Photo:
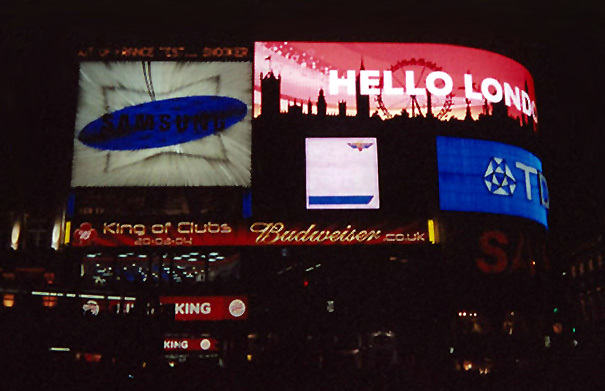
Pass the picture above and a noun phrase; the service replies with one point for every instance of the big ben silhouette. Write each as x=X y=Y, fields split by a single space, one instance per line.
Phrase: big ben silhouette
x=270 y=93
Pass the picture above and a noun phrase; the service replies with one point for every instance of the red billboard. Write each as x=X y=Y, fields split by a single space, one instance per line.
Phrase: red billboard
x=191 y=344
x=117 y=233
x=390 y=80
x=208 y=308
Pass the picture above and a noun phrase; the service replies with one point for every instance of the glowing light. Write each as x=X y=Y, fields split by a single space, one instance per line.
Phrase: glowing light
x=85 y=296
x=55 y=349
x=15 y=234
x=49 y=301
x=205 y=344
x=249 y=357
x=36 y=293
x=8 y=300
x=67 y=232
x=330 y=306
x=56 y=235
x=432 y=231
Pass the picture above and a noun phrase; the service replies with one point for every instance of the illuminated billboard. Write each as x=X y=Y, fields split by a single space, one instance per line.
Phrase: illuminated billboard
x=342 y=173
x=491 y=177
x=190 y=344
x=391 y=80
x=163 y=123
x=116 y=233
x=208 y=308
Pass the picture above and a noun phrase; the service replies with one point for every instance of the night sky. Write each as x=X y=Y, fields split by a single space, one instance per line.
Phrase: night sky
x=561 y=47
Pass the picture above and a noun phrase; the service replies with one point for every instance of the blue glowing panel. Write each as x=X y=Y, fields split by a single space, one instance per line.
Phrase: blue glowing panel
x=491 y=177
x=342 y=173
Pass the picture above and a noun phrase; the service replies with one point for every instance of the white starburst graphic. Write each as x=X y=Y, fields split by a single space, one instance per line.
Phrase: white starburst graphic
x=498 y=178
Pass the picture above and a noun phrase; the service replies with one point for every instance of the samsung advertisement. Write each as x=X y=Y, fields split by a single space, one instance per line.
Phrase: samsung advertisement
x=161 y=123
x=491 y=177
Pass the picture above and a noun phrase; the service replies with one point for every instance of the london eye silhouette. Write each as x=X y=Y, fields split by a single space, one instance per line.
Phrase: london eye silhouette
x=416 y=104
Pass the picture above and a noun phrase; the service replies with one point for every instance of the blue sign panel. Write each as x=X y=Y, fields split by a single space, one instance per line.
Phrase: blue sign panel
x=491 y=177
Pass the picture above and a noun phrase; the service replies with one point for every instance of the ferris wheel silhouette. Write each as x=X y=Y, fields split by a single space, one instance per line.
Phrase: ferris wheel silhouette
x=421 y=68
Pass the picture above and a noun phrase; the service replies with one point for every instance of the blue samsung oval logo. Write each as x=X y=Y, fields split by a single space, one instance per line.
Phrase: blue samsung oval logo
x=163 y=122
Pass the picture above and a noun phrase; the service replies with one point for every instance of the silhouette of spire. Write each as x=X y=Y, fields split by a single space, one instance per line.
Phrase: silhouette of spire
x=361 y=101
x=321 y=104
x=468 y=116
x=342 y=108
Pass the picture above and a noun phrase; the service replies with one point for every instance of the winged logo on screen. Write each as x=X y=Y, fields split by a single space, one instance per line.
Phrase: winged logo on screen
x=360 y=145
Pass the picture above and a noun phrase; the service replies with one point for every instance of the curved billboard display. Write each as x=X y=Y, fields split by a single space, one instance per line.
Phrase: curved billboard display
x=394 y=79
x=491 y=177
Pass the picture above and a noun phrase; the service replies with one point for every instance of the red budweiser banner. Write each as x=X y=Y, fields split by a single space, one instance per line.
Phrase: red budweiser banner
x=189 y=233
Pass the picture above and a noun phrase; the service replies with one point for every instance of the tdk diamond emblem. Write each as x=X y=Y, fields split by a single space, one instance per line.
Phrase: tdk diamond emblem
x=498 y=178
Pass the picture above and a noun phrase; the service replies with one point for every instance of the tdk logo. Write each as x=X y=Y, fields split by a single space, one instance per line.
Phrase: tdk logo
x=499 y=180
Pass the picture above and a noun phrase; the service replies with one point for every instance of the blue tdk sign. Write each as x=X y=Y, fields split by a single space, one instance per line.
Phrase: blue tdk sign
x=491 y=177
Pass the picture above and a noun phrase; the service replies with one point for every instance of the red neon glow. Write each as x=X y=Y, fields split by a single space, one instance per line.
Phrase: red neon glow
x=304 y=69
